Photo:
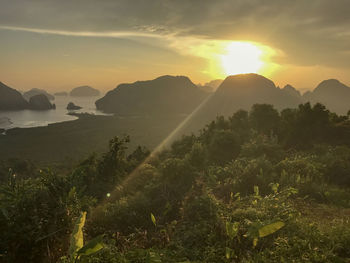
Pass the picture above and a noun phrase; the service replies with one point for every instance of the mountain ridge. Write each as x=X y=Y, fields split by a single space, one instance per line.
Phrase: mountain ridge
x=165 y=94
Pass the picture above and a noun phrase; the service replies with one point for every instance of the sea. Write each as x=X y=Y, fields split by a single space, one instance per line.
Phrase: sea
x=32 y=118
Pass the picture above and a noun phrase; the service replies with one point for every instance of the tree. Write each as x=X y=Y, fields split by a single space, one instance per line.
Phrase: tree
x=223 y=147
x=264 y=119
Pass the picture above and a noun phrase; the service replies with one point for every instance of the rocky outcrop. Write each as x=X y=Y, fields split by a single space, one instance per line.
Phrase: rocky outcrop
x=11 y=99
x=72 y=106
x=40 y=102
x=84 y=91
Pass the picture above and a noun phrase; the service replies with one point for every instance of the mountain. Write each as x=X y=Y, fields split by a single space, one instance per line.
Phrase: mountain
x=241 y=92
x=40 y=102
x=166 y=95
x=11 y=99
x=291 y=91
x=84 y=91
x=211 y=86
x=214 y=83
x=27 y=95
x=333 y=94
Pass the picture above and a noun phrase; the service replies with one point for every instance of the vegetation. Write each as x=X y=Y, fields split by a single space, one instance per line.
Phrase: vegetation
x=72 y=141
x=260 y=186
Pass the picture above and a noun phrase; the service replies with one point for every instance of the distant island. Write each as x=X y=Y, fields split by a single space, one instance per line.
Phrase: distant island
x=11 y=99
x=72 y=106
x=40 y=102
x=27 y=95
x=84 y=91
x=179 y=95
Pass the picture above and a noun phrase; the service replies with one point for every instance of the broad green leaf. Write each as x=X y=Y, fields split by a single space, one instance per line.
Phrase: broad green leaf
x=275 y=187
x=77 y=239
x=91 y=247
x=256 y=190
x=153 y=258
x=270 y=229
x=232 y=229
x=238 y=196
x=153 y=220
x=228 y=253
x=255 y=241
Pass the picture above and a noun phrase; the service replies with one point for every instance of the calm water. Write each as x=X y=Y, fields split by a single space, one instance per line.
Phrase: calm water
x=30 y=118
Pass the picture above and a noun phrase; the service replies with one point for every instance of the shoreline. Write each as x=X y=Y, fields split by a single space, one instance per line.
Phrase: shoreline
x=76 y=115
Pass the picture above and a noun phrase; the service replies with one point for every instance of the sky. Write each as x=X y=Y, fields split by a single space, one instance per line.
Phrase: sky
x=58 y=45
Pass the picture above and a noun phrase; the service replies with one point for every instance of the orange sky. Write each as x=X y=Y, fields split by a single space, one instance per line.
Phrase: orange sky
x=58 y=45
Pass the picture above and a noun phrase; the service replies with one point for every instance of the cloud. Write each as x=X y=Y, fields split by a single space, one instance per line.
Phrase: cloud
x=309 y=33
x=110 y=34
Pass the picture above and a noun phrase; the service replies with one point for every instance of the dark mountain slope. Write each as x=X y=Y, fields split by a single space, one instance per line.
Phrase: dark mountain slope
x=165 y=95
x=333 y=94
x=241 y=92
x=11 y=99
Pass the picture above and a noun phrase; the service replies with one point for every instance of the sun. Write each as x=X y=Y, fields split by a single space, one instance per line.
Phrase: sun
x=242 y=57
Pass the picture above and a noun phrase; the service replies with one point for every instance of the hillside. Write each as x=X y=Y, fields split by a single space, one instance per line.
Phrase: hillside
x=163 y=95
x=259 y=186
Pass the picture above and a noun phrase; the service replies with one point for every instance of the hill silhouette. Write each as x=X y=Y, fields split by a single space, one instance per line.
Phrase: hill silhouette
x=333 y=94
x=40 y=102
x=84 y=91
x=27 y=95
x=292 y=91
x=241 y=92
x=165 y=95
x=11 y=99
x=211 y=86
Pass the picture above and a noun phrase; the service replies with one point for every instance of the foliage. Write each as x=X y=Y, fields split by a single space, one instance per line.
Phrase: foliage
x=260 y=186
x=77 y=249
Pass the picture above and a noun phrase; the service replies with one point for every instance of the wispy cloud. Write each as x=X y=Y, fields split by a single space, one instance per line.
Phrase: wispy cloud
x=210 y=50
x=109 y=34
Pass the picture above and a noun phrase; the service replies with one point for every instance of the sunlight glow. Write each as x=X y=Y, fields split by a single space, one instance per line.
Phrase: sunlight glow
x=232 y=57
x=242 y=57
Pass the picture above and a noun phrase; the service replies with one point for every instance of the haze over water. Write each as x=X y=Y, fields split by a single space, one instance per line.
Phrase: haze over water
x=32 y=118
